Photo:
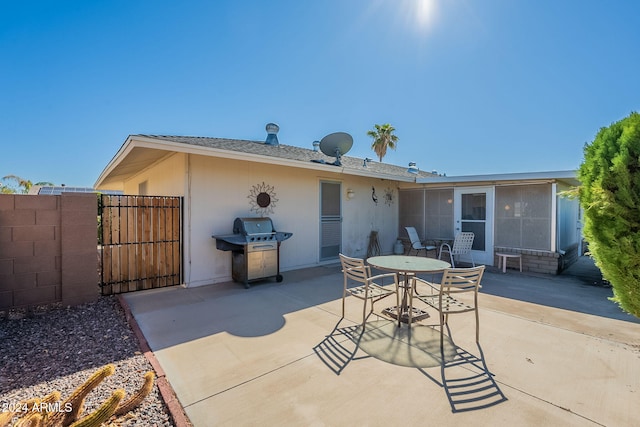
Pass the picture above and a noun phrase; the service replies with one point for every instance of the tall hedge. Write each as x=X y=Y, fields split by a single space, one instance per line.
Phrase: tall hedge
x=610 y=197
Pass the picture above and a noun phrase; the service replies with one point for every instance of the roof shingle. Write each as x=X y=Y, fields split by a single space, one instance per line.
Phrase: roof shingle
x=291 y=152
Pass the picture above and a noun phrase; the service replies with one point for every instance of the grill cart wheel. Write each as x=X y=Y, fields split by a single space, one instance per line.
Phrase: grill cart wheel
x=279 y=278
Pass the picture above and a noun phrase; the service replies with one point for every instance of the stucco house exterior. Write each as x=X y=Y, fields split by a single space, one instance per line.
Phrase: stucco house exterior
x=328 y=208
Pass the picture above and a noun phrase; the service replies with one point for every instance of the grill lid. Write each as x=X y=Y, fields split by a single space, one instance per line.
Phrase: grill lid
x=253 y=226
x=249 y=230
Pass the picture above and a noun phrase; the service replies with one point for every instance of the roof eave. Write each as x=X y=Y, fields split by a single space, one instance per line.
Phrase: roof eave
x=568 y=176
x=141 y=141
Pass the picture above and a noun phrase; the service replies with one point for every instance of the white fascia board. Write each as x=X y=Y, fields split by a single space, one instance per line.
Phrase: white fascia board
x=120 y=155
x=525 y=176
x=156 y=144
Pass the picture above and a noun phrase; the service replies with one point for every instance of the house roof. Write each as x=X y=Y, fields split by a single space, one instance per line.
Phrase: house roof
x=141 y=151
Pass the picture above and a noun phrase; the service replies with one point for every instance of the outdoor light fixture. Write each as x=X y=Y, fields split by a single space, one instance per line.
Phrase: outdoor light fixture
x=350 y=194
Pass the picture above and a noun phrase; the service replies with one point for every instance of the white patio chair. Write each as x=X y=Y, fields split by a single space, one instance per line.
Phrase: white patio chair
x=461 y=246
x=416 y=244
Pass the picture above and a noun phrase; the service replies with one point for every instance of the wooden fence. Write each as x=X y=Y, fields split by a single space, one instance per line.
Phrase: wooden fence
x=141 y=242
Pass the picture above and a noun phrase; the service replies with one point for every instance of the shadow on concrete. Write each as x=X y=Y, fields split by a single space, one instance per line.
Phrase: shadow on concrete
x=339 y=348
x=170 y=316
x=580 y=288
x=465 y=377
x=468 y=383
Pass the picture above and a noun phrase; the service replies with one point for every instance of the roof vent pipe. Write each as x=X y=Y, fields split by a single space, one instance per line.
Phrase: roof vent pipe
x=272 y=137
x=412 y=168
x=316 y=146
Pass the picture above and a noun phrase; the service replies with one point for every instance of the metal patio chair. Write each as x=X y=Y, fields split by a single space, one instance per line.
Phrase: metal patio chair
x=416 y=244
x=443 y=296
x=461 y=246
x=370 y=288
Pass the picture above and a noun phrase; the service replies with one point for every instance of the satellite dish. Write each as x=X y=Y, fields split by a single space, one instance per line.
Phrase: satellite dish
x=335 y=145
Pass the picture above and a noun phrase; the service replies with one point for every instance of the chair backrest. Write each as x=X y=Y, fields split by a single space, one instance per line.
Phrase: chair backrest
x=463 y=243
x=354 y=268
x=413 y=236
x=458 y=280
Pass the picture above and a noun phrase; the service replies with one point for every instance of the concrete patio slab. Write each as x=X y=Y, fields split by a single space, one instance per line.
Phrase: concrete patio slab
x=279 y=353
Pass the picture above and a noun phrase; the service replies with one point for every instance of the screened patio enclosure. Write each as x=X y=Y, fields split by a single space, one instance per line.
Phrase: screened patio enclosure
x=529 y=218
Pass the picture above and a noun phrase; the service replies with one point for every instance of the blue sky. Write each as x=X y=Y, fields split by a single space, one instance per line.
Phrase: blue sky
x=471 y=86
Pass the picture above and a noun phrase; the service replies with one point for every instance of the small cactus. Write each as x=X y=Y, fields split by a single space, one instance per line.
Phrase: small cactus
x=138 y=397
x=32 y=419
x=77 y=397
x=103 y=413
x=34 y=412
x=5 y=418
x=44 y=405
x=22 y=408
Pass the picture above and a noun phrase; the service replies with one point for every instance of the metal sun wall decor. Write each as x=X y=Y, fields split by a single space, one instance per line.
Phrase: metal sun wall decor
x=262 y=199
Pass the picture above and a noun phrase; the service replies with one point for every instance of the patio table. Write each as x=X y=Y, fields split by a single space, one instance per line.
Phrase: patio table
x=407 y=267
x=438 y=241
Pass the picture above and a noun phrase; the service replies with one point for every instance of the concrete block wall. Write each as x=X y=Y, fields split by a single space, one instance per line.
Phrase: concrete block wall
x=48 y=250
x=570 y=256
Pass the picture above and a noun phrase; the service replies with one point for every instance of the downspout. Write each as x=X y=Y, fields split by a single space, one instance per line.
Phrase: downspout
x=187 y=261
x=554 y=217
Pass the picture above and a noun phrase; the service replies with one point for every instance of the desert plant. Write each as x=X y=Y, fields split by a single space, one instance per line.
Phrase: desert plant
x=138 y=397
x=610 y=196
x=35 y=411
x=103 y=413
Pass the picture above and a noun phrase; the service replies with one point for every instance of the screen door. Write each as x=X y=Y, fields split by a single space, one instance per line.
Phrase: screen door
x=330 y=220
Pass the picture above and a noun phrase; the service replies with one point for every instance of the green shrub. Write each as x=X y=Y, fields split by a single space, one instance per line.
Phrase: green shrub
x=610 y=197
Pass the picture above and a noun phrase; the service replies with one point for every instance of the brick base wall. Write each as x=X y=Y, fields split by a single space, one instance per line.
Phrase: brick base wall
x=535 y=261
x=571 y=255
x=48 y=250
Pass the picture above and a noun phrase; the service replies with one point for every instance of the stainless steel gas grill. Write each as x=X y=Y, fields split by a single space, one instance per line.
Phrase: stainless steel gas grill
x=255 y=247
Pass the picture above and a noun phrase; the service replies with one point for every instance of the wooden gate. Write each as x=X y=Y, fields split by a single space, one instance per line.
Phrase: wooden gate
x=141 y=242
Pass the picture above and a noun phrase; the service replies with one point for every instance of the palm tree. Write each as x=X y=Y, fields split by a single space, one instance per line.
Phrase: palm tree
x=383 y=138
x=23 y=184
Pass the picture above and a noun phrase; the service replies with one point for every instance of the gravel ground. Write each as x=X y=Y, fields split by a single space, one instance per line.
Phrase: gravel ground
x=55 y=348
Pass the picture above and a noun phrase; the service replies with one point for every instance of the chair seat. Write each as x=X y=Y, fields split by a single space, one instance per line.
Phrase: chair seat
x=375 y=291
x=449 y=303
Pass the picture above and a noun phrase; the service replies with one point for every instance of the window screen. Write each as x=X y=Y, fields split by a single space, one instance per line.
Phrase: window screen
x=523 y=216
